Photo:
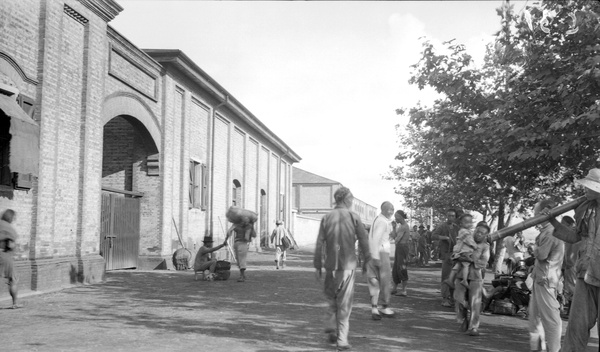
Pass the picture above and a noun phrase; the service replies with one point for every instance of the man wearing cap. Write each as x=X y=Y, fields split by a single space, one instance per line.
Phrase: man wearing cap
x=277 y=237
x=204 y=259
x=584 y=308
x=335 y=251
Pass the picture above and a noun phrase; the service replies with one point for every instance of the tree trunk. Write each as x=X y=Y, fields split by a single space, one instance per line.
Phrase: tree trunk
x=500 y=247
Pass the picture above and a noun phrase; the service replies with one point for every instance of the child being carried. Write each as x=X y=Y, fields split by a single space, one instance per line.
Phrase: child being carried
x=462 y=252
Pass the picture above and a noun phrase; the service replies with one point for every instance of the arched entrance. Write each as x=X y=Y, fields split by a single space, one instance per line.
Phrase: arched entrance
x=131 y=203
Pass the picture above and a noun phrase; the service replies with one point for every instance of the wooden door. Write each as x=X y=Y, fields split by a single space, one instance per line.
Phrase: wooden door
x=120 y=231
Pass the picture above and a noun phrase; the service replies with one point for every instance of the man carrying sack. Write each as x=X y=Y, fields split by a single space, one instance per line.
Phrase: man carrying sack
x=282 y=241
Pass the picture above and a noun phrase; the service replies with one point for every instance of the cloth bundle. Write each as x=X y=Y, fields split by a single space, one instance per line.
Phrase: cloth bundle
x=239 y=215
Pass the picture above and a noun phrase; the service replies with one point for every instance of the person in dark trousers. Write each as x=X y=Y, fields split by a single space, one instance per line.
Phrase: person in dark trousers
x=335 y=251
x=446 y=234
x=8 y=243
x=401 y=236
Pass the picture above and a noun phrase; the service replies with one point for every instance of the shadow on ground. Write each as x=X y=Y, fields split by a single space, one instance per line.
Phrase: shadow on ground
x=274 y=310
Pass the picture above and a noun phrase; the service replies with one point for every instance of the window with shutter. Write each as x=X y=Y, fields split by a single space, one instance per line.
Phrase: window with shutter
x=197 y=187
x=204 y=190
x=191 y=184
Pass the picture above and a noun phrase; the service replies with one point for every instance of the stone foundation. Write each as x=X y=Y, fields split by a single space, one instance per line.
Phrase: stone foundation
x=53 y=274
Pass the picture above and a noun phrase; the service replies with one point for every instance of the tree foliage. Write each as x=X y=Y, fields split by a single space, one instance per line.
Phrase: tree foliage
x=520 y=127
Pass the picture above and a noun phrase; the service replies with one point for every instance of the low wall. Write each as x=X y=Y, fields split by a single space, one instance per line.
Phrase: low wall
x=53 y=274
x=305 y=230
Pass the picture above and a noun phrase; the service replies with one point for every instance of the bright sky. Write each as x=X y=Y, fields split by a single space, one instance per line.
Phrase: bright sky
x=326 y=77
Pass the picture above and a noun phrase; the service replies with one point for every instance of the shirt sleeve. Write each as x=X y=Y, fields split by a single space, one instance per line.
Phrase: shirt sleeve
x=318 y=259
x=544 y=247
x=437 y=232
x=363 y=242
x=379 y=233
x=481 y=256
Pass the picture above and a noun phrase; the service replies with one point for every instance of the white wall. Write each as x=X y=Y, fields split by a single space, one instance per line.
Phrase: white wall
x=305 y=230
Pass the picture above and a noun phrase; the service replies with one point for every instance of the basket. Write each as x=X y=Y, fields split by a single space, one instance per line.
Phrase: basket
x=222 y=270
x=181 y=259
x=503 y=307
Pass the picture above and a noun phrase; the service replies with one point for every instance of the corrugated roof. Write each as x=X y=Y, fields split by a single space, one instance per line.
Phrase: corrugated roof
x=301 y=176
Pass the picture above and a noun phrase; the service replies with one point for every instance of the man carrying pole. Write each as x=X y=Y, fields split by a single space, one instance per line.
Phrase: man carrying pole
x=584 y=310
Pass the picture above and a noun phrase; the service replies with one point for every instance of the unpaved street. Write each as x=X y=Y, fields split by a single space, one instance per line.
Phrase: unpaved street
x=275 y=310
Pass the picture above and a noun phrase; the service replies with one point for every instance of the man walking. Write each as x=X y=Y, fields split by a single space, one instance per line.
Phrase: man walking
x=8 y=239
x=379 y=271
x=583 y=314
x=446 y=235
x=281 y=239
x=338 y=233
x=545 y=325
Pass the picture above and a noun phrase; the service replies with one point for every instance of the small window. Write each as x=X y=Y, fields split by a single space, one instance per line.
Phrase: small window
x=197 y=186
x=236 y=195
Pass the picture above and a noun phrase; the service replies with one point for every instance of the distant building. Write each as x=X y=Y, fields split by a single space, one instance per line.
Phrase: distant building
x=312 y=198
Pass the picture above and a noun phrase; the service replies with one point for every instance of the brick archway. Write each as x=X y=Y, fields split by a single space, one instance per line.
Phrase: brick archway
x=130 y=173
x=127 y=104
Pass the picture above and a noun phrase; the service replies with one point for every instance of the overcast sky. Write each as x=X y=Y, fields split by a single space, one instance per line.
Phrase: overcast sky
x=326 y=77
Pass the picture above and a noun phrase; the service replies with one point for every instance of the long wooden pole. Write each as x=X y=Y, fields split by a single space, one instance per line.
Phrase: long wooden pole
x=536 y=220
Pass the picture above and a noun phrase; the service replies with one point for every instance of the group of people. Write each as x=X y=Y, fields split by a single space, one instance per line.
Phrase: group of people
x=243 y=233
x=464 y=249
x=335 y=252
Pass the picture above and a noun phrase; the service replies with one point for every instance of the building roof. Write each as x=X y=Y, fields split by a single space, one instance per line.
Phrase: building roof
x=301 y=176
x=182 y=62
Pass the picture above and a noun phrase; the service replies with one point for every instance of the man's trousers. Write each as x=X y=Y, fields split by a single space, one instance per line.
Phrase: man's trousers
x=582 y=317
x=545 y=325
x=339 y=291
x=379 y=279
x=447 y=293
x=472 y=302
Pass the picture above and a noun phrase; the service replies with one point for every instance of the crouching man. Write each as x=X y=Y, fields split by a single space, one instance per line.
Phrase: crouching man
x=204 y=258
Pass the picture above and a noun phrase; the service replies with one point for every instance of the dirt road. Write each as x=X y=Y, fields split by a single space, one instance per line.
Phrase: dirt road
x=275 y=310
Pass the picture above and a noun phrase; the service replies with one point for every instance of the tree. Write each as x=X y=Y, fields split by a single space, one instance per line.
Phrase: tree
x=520 y=127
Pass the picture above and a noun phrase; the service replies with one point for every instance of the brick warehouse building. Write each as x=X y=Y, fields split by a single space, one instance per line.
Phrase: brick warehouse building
x=112 y=156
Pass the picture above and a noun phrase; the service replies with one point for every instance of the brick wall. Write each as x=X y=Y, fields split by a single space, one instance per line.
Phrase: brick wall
x=238 y=156
x=273 y=192
x=175 y=158
x=198 y=141
x=19 y=25
x=221 y=184
x=263 y=181
x=252 y=173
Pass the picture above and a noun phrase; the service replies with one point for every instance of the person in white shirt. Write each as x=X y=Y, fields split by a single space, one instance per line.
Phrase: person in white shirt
x=379 y=271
